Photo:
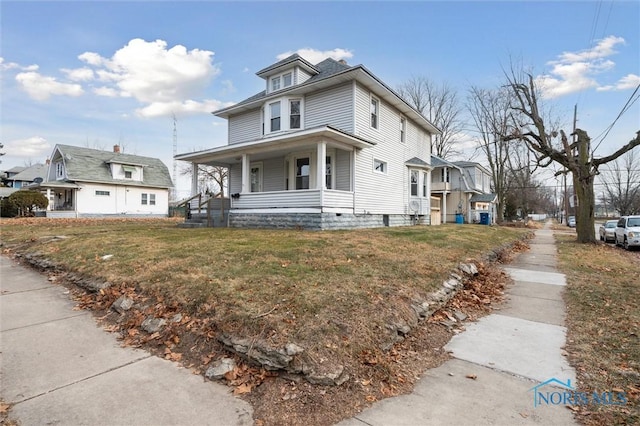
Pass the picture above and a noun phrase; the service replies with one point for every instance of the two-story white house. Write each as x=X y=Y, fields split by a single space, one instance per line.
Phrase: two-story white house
x=84 y=182
x=463 y=191
x=324 y=146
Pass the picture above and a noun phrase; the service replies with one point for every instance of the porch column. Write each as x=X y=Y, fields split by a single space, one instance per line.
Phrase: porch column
x=444 y=206
x=321 y=165
x=246 y=174
x=49 y=199
x=194 y=178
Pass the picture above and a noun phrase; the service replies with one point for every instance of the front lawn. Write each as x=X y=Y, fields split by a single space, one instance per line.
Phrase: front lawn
x=332 y=293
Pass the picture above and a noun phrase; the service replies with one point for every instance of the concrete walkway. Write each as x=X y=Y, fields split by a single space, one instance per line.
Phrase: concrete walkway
x=58 y=367
x=509 y=354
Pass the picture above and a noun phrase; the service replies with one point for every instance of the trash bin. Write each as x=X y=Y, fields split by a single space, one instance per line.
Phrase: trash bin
x=484 y=218
x=459 y=218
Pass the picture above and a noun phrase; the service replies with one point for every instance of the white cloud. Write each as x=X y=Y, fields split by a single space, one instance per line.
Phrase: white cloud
x=151 y=73
x=188 y=107
x=79 y=74
x=576 y=71
x=41 y=87
x=314 y=56
x=630 y=81
x=109 y=92
x=227 y=87
x=34 y=146
x=4 y=66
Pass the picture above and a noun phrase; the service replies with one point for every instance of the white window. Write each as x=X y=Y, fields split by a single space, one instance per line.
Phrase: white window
x=294 y=114
x=379 y=166
x=287 y=79
x=275 y=83
x=274 y=111
x=425 y=180
x=152 y=199
x=59 y=170
x=415 y=176
x=255 y=177
x=403 y=129
x=144 y=199
x=375 y=112
x=303 y=172
x=105 y=193
x=444 y=175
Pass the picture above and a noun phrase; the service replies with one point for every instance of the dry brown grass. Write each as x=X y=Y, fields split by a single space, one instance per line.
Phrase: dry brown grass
x=602 y=297
x=332 y=293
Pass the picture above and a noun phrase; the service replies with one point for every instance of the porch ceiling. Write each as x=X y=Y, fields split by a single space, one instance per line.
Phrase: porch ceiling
x=277 y=145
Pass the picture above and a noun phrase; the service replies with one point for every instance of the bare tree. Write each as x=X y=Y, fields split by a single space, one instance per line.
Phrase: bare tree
x=489 y=110
x=440 y=105
x=529 y=126
x=211 y=179
x=622 y=184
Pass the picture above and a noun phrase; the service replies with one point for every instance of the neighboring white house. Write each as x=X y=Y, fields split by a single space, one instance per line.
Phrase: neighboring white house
x=462 y=190
x=324 y=146
x=84 y=182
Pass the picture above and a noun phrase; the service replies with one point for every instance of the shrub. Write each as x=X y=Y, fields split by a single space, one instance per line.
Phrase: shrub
x=25 y=202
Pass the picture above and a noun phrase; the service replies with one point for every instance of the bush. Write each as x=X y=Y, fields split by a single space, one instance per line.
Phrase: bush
x=25 y=202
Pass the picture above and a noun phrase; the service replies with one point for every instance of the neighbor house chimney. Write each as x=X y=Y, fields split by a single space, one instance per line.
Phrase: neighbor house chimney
x=343 y=62
x=116 y=148
x=48 y=161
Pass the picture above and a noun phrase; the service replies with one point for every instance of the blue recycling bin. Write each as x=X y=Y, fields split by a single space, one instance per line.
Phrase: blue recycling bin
x=459 y=218
x=484 y=218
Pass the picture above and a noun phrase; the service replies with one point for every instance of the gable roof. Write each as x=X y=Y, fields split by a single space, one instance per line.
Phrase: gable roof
x=31 y=172
x=331 y=72
x=93 y=165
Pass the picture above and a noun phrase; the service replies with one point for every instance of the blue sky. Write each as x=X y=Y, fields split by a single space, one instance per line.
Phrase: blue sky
x=100 y=73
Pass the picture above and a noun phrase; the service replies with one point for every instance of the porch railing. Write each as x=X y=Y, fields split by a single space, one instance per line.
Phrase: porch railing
x=304 y=198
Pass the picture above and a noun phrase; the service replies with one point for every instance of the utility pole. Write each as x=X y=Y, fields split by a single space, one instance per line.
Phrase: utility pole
x=175 y=152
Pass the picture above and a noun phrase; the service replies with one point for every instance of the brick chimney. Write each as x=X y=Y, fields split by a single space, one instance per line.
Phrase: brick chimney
x=116 y=149
x=48 y=161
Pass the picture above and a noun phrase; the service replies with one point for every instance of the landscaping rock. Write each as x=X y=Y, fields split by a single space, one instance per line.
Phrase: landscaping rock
x=327 y=375
x=153 y=325
x=260 y=352
x=220 y=368
x=122 y=304
x=293 y=349
x=176 y=318
x=468 y=269
x=93 y=286
x=460 y=316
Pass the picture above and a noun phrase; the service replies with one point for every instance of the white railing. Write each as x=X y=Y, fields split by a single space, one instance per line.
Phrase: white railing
x=304 y=198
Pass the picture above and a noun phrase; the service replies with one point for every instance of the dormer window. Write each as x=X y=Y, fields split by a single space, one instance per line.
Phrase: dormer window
x=59 y=170
x=275 y=83
x=280 y=81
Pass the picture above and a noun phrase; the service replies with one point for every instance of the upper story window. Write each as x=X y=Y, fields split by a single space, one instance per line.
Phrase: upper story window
x=274 y=113
x=59 y=170
x=375 y=112
x=403 y=129
x=445 y=175
x=283 y=114
x=280 y=81
x=294 y=114
x=275 y=84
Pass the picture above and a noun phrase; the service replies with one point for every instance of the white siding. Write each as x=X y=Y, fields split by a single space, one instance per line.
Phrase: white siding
x=273 y=174
x=333 y=106
x=301 y=76
x=388 y=193
x=245 y=127
x=235 y=178
x=343 y=164
x=122 y=199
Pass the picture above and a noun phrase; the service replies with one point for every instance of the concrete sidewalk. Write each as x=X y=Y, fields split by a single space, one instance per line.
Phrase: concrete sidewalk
x=509 y=353
x=58 y=367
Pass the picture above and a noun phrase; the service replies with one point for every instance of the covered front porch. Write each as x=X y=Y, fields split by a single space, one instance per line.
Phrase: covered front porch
x=309 y=171
x=62 y=196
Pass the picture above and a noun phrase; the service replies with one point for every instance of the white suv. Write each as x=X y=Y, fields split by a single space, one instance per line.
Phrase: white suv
x=627 y=232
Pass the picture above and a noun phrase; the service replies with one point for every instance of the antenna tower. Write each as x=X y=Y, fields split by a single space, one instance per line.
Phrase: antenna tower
x=175 y=152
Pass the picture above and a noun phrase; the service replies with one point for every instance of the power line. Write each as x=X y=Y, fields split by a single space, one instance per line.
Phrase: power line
x=624 y=109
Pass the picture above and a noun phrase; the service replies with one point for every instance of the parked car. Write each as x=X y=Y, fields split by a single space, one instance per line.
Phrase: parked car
x=607 y=231
x=571 y=221
x=627 y=232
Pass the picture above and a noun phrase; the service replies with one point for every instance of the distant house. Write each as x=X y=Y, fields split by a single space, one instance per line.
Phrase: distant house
x=84 y=182
x=463 y=190
x=323 y=146
x=18 y=177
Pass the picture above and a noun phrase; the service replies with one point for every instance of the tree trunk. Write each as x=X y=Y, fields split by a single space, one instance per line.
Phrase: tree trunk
x=583 y=187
